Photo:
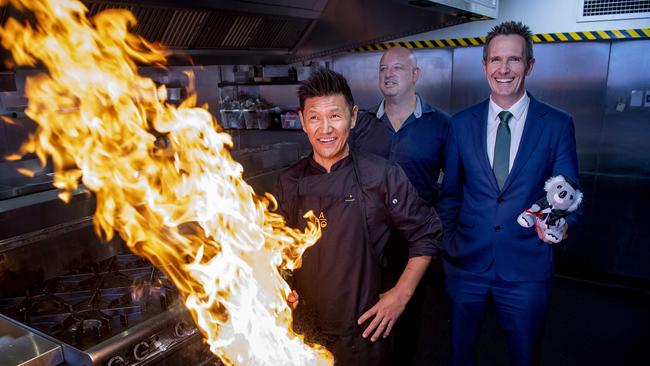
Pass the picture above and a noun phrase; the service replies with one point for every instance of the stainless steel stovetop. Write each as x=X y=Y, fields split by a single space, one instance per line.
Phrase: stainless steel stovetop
x=116 y=312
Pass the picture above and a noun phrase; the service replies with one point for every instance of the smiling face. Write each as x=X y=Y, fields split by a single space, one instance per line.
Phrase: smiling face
x=506 y=68
x=327 y=121
x=398 y=73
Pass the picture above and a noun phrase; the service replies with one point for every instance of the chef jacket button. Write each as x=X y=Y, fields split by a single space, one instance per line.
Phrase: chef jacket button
x=394 y=201
x=497 y=228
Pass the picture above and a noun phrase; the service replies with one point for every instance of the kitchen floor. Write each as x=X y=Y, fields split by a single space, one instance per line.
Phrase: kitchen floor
x=587 y=324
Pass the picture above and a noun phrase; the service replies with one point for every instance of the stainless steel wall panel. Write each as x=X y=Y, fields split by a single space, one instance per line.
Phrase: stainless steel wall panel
x=362 y=73
x=435 y=77
x=616 y=231
x=573 y=77
x=624 y=145
x=468 y=85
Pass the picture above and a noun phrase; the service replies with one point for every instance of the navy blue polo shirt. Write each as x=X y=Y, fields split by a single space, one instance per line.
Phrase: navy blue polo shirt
x=417 y=147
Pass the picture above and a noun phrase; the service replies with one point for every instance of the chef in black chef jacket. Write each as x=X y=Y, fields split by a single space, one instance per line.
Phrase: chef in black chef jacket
x=358 y=198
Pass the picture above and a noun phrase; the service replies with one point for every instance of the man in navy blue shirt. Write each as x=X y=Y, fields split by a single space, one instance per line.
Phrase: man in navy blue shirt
x=406 y=130
x=403 y=128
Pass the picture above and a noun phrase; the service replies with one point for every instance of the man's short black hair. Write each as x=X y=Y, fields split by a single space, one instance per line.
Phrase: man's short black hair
x=508 y=28
x=323 y=83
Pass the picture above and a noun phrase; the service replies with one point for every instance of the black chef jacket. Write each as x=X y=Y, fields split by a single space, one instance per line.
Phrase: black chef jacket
x=388 y=201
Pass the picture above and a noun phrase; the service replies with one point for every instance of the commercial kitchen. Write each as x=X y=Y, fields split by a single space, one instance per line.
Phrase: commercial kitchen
x=72 y=296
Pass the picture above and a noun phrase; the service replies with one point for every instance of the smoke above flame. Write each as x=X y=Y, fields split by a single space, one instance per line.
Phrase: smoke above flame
x=163 y=177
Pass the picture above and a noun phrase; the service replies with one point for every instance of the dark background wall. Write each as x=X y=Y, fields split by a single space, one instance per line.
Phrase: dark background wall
x=587 y=80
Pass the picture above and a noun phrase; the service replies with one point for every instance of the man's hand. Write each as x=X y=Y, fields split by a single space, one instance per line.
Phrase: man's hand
x=540 y=233
x=292 y=300
x=391 y=303
x=390 y=306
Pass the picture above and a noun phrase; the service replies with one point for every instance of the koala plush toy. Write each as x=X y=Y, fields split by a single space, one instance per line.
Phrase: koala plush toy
x=549 y=211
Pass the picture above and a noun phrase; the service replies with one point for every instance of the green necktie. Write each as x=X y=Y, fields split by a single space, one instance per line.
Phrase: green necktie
x=501 y=163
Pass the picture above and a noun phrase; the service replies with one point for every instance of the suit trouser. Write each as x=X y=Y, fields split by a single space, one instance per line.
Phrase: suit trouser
x=521 y=307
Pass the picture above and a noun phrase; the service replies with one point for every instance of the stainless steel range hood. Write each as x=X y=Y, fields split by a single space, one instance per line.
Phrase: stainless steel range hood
x=346 y=24
x=283 y=31
x=486 y=8
x=221 y=32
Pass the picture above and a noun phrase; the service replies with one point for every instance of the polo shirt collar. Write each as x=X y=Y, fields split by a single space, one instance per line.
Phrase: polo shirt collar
x=418 y=108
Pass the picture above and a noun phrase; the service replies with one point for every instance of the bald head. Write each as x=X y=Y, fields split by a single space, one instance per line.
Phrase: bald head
x=403 y=53
x=398 y=73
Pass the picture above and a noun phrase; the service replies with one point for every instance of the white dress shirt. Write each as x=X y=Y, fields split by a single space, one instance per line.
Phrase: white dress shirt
x=519 y=112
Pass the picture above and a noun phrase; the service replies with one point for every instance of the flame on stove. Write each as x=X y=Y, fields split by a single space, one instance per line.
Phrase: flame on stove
x=163 y=178
x=142 y=290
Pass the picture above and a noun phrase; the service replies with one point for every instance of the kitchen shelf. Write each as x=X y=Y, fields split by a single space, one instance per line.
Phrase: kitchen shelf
x=253 y=83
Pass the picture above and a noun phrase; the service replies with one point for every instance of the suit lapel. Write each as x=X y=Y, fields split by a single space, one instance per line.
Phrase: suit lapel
x=480 y=136
x=529 y=139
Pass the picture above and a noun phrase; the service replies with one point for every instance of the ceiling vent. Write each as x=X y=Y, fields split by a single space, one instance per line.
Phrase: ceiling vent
x=211 y=28
x=594 y=10
x=474 y=9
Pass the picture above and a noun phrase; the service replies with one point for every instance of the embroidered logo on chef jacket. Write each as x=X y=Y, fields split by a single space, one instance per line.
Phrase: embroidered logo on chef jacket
x=322 y=219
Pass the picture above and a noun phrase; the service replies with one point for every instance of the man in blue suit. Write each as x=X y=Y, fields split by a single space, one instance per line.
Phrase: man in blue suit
x=499 y=154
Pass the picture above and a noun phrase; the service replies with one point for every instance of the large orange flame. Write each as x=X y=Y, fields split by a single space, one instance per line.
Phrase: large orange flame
x=163 y=178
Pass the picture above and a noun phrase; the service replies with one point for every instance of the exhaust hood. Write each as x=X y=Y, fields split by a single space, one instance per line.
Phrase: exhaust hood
x=485 y=8
x=282 y=31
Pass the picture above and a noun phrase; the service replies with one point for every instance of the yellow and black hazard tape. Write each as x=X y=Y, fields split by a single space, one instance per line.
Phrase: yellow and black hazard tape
x=641 y=33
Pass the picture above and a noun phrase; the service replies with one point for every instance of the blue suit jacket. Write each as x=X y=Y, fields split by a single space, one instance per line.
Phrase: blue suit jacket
x=480 y=221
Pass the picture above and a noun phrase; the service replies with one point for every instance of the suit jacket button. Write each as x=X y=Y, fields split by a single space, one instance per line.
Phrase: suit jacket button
x=497 y=228
x=499 y=200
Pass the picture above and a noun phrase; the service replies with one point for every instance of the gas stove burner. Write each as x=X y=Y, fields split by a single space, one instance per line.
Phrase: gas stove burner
x=89 y=323
x=42 y=304
x=103 y=298
x=123 y=304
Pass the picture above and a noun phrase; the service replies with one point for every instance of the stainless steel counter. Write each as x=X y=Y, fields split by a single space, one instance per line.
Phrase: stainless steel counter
x=20 y=347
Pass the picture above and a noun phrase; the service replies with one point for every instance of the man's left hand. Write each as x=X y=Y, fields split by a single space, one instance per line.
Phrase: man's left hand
x=390 y=306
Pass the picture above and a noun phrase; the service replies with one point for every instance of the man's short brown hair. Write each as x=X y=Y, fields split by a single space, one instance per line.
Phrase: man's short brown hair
x=508 y=28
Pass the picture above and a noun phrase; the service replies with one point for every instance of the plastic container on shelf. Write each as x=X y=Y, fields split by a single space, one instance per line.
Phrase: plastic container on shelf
x=290 y=121
x=223 y=119
x=269 y=117
x=263 y=119
x=238 y=121
x=233 y=119
x=250 y=118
